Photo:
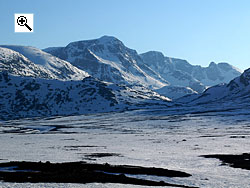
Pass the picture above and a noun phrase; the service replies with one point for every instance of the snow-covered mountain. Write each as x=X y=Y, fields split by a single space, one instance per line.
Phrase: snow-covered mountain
x=30 y=61
x=34 y=97
x=236 y=91
x=108 y=59
x=180 y=72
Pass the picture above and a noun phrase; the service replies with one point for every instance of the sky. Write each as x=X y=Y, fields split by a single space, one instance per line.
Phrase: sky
x=199 y=31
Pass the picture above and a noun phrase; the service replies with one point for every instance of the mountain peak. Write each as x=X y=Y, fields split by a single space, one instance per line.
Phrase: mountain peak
x=212 y=64
x=99 y=43
x=227 y=67
x=154 y=53
x=152 y=56
x=108 y=38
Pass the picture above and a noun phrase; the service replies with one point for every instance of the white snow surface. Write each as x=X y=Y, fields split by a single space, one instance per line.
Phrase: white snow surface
x=55 y=67
x=163 y=138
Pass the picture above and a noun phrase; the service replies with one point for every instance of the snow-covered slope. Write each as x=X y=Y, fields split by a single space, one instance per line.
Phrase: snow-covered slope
x=237 y=90
x=180 y=72
x=175 y=92
x=108 y=59
x=33 y=97
x=54 y=67
x=15 y=63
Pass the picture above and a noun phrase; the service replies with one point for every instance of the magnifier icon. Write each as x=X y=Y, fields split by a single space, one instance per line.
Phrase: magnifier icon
x=22 y=21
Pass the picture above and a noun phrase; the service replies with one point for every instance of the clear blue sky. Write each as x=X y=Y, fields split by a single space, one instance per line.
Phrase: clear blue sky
x=199 y=31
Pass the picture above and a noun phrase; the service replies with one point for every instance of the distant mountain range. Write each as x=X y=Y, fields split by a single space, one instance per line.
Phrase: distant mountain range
x=108 y=59
x=104 y=75
x=179 y=72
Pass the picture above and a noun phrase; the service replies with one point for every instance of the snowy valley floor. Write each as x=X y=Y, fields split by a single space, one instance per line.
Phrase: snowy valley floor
x=149 y=138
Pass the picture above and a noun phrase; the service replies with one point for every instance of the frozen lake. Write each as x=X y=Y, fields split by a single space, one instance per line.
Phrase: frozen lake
x=152 y=138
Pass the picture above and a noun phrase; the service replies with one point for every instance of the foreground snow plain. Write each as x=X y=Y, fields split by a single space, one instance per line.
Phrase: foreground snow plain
x=173 y=139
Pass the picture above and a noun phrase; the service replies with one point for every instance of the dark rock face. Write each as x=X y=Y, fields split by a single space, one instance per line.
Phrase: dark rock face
x=241 y=83
x=245 y=77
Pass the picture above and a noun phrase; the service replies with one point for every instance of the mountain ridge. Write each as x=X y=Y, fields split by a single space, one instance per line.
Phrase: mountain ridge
x=207 y=76
x=35 y=83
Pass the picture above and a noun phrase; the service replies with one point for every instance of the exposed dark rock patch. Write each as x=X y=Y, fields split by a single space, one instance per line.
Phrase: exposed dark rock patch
x=235 y=161
x=81 y=172
x=100 y=155
x=85 y=146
